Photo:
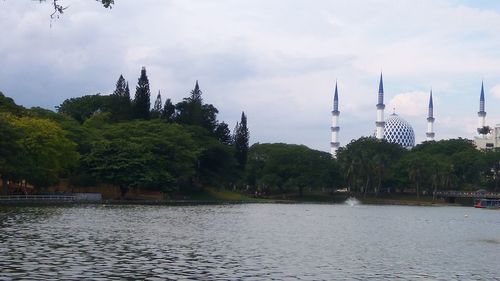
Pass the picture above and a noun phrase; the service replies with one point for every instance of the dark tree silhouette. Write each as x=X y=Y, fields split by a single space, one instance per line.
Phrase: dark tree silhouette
x=157 y=107
x=59 y=8
x=223 y=133
x=168 y=112
x=241 y=137
x=142 y=101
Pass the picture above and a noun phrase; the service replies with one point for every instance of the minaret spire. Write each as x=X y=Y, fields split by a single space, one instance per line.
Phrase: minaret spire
x=334 y=144
x=481 y=99
x=381 y=90
x=380 y=124
x=430 y=120
x=482 y=129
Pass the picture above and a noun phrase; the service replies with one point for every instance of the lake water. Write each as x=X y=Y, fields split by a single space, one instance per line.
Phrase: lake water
x=249 y=242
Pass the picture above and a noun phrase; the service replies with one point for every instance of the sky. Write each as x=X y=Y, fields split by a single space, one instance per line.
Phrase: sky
x=276 y=60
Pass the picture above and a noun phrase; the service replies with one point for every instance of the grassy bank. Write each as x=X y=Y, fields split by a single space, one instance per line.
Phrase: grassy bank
x=221 y=196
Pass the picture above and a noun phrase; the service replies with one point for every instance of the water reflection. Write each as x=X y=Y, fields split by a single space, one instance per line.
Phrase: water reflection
x=248 y=242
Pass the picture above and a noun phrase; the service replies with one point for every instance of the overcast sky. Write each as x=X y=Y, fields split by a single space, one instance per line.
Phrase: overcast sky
x=276 y=60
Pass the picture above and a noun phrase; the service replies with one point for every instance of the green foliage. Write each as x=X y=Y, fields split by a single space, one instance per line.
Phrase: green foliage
x=491 y=171
x=168 y=111
x=8 y=105
x=82 y=108
x=367 y=162
x=370 y=165
x=192 y=111
x=223 y=133
x=216 y=165
x=157 y=108
x=10 y=149
x=77 y=133
x=147 y=154
x=119 y=102
x=46 y=152
x=283 y=168
x=191 y=149
x=142 y=102
x=240 y=140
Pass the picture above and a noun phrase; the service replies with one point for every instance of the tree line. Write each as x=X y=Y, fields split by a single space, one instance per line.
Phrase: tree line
x=172 y=147
x=370 y=166
x=123 y=141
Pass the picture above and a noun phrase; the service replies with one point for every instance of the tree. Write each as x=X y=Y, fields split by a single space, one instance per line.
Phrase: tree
x=465 y=160
x=418 y=167
x=491 y=170
x=157 y=108
x=223 y=133
x=142 y=101
x=366 y=162
x=168 y=111
x=216 y=165
x=10 y=150
x=192 y=111
x=196 y=94
x=47 y=154
x=283 y=167
x=8 y=105
x=120 y=105
x=82 y=108
x=121 y=86
x=241 y=139
x=145 y=154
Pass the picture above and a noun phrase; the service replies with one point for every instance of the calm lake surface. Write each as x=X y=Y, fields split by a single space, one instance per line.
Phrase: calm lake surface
x=249 y=242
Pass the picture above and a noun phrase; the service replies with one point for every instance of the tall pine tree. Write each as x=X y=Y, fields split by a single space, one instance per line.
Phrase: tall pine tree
x=142 y=102
x=127 y=92
x=120 y=106
x=121 y=87
x=192 y=111
x=157 y=107
x=241 y=138
x=196 y=94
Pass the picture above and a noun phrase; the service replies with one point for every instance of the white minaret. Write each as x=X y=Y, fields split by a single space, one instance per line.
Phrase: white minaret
x=430 y=120
x=334 y=144
x=482 y=129
x=380 y=123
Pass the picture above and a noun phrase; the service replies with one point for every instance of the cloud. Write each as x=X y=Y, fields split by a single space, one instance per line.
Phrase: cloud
x=278 y=67
x=495 y=91
x=413 y=103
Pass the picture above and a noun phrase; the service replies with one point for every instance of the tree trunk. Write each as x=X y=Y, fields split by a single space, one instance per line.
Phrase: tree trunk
x=418 y=191
x=434 y=193
x=5 y=186
x=123 y=190
x=378 y=186
x=496 y=182
x=366 y=186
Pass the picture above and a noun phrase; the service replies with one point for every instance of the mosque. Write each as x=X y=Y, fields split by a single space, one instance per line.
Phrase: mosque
x=397 y=130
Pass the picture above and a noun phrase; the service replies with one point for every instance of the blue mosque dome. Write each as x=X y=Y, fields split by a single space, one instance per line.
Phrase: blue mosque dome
x=397 y=130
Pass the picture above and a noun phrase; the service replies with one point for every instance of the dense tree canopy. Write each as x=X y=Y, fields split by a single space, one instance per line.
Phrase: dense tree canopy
x=110 y=139
x=49 y=151
x=366 y=163
x=148 y=154
x=285 y=168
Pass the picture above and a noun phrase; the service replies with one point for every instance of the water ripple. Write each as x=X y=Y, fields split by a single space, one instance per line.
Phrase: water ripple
x=248 y=242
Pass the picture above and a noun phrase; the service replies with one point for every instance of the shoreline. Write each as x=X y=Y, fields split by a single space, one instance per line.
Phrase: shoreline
x=367 y=201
